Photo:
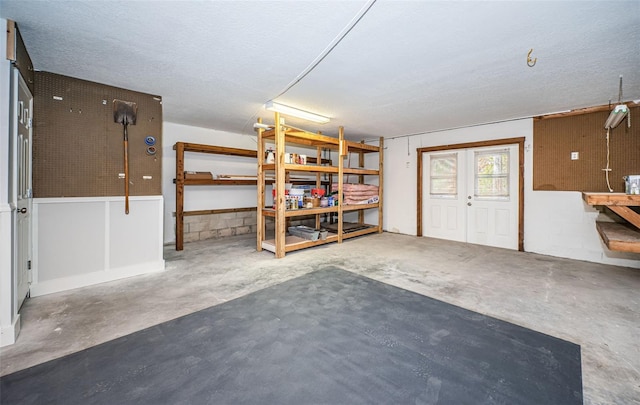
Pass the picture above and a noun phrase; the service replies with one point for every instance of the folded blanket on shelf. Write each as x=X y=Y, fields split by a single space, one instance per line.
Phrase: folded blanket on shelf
x=355 y=187
x=350 y=201
x=357 y=193
x=360 y=194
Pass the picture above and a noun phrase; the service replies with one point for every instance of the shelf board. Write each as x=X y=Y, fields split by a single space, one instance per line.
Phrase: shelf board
x=301 y=137
x=362 y=147
x=293 y=243
x=290 y=167
x=270 y=212
x=314 y=160
x=360 y=171
x=628 y=200
x=218 y=150
x=619 y=237
x=310 y=168
x=218 y=182
x=360 y=232
x=309 y=182
x=239 y=182
x=349 y=228
x=215 y=211
x=355 y=207
x=296 y=243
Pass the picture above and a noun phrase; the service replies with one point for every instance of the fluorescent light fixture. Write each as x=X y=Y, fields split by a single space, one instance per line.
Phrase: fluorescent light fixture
x=257 y=125
x=617 y=115
x=295 y=112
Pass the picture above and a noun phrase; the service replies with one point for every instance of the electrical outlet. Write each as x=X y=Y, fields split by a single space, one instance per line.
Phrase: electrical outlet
x=408 y=165
x=575 y=155
x=121 y=175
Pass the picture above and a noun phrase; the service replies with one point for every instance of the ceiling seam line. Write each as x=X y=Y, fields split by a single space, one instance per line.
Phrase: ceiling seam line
x=363 y=11
x=453 y=128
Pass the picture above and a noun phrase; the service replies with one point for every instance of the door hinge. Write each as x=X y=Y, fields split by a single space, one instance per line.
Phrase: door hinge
x=30 y=123
x=28 y=264
x=29 y=272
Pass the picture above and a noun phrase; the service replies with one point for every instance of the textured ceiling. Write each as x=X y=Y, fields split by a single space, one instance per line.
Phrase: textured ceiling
x=378 y=68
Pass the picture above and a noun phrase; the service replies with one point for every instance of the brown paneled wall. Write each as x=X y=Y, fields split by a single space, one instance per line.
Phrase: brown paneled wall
x=78 y=148
x=555 y=138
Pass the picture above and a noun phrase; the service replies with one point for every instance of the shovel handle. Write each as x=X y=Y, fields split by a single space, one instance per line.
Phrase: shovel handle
x=126 y=176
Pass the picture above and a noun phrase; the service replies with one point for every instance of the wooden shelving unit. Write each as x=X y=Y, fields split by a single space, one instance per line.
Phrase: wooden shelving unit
x=181 y=181
x=623 y=237
x=282 y=136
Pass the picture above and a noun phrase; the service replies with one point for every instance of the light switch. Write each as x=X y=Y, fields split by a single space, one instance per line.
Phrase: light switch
x=574 y=156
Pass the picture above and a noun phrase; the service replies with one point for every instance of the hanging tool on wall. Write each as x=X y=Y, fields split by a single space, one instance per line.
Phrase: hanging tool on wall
x=125 y=113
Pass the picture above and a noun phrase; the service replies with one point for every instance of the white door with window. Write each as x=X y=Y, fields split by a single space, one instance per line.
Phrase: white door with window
x=471 y=195
x=444 y=211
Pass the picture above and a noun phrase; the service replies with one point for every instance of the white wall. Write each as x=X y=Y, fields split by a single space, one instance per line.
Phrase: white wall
x=88 y=240
x=555 y=223
x=205 y=197
x=9 y=319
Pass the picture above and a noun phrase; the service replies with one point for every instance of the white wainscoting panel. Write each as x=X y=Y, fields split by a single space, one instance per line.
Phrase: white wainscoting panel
x=85 y=241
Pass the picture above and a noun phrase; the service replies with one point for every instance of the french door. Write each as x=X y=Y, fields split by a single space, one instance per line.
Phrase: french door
x=472 y=195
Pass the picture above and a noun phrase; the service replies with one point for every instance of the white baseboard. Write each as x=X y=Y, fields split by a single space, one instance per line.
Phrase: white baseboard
x=9 y=334
x=84 y=280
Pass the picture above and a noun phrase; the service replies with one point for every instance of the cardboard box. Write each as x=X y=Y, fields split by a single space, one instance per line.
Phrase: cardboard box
x=198 y=175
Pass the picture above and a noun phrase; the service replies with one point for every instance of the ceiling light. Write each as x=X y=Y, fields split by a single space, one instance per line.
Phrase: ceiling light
x=619 y=112
x=616 y=116
x=258 y=125
x=295 y=112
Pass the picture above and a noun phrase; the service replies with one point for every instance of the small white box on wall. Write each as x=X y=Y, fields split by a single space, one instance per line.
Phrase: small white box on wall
x=632 y=184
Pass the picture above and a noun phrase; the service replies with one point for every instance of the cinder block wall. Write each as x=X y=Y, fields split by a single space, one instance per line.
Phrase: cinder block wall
x=215 y=226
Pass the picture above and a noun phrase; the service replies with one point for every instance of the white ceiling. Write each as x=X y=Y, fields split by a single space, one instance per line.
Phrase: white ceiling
x=403 y=67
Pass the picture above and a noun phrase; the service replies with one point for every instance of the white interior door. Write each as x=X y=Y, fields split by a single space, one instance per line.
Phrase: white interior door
x=22 y=134
x=471 y=195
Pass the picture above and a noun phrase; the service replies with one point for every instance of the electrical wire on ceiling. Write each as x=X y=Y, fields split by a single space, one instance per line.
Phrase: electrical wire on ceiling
x=327 y=50
x=354 y=21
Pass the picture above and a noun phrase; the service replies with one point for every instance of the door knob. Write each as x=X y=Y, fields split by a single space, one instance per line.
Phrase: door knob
x=22 y=210
x=469 y=204
x=468 y=197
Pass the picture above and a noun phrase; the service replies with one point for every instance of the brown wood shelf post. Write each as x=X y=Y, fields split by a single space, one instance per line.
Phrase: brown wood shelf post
x=179 y=196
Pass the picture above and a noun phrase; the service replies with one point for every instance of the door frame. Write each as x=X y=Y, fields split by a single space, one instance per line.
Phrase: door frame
x=494 y=142
x=22 y=186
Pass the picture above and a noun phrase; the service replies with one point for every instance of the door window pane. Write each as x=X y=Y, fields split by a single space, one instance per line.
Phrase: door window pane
x=492 y=174
x=444 y=174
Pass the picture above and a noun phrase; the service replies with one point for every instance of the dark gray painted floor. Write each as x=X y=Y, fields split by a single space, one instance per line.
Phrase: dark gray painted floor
x=331 y=337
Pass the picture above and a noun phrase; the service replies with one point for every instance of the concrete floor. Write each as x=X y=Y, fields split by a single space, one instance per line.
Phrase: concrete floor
x=596 y=306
